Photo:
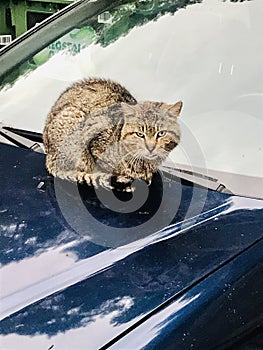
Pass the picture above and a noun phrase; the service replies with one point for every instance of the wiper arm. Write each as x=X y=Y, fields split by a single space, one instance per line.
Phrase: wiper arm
x=22 y=138
x=197 y=178
x=30 y=140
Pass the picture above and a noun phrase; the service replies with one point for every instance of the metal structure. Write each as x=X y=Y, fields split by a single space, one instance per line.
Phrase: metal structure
x=17 y=16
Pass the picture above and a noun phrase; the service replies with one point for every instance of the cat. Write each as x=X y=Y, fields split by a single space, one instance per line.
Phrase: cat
x=97 y=131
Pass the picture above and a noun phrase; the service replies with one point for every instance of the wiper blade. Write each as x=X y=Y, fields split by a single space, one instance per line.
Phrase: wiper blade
x=31 y=135
x=197 y=178
x=28 y=142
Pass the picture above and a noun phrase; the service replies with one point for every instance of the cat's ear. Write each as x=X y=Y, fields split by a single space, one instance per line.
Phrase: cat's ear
x=127 y=109
x=174 y=109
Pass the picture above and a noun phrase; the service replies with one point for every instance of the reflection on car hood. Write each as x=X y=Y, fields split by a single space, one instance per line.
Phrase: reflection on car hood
x=63 y=277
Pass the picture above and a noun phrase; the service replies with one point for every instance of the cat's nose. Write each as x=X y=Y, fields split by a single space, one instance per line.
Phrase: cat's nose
x=150 y=145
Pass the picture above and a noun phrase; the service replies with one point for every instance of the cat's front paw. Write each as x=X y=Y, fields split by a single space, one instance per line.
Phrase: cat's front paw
x=123 y=183
x=101 y=180
x=123 y=179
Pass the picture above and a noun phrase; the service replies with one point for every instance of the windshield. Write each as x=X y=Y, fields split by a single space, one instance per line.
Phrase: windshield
x=206 y=53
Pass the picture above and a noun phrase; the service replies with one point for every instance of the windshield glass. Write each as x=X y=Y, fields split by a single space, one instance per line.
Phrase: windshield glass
x=206 y=53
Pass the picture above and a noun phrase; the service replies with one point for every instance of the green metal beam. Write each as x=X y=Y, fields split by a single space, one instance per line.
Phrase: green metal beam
x=18 y=10
x=4 y=29
x=18 y=17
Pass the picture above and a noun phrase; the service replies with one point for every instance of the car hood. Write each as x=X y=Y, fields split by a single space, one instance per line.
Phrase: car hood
x=75 y=273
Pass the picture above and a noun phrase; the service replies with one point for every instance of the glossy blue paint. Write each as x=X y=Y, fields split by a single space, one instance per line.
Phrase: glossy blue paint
x=216 y=313
x=76 y=284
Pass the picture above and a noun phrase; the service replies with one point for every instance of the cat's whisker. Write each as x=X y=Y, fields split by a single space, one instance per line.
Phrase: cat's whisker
x=133 y=161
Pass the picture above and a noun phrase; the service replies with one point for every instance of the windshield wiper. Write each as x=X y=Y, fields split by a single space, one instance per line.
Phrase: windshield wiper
x=23 y=138
x=31 y=135
x=197 y=178
x=31 y=140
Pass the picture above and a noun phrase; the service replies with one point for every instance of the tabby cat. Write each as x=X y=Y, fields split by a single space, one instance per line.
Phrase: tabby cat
x=96 y=131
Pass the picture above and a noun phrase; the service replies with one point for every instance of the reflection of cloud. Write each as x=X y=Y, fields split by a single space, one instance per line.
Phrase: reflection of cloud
x=114 y=307
x=151 y=328
x=231 y=141
x=13 y=275
x=83 y=335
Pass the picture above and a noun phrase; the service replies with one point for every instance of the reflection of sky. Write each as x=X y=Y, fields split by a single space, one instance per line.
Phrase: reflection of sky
x=115 y=288
x=84 y=337
x=154 y=326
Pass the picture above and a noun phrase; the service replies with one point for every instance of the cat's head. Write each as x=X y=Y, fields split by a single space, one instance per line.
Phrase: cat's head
x=150 y=130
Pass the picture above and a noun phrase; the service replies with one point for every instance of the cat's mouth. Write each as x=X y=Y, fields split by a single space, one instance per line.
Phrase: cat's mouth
x=151 y=156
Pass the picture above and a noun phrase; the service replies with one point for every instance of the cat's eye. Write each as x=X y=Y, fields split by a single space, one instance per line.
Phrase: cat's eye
x=140 y=134
x=161 y=133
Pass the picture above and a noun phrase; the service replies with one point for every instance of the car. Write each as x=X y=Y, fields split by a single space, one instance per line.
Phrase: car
x=174 y=265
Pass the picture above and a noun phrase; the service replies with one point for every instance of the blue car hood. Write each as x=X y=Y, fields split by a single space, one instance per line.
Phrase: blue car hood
x=77 y=281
